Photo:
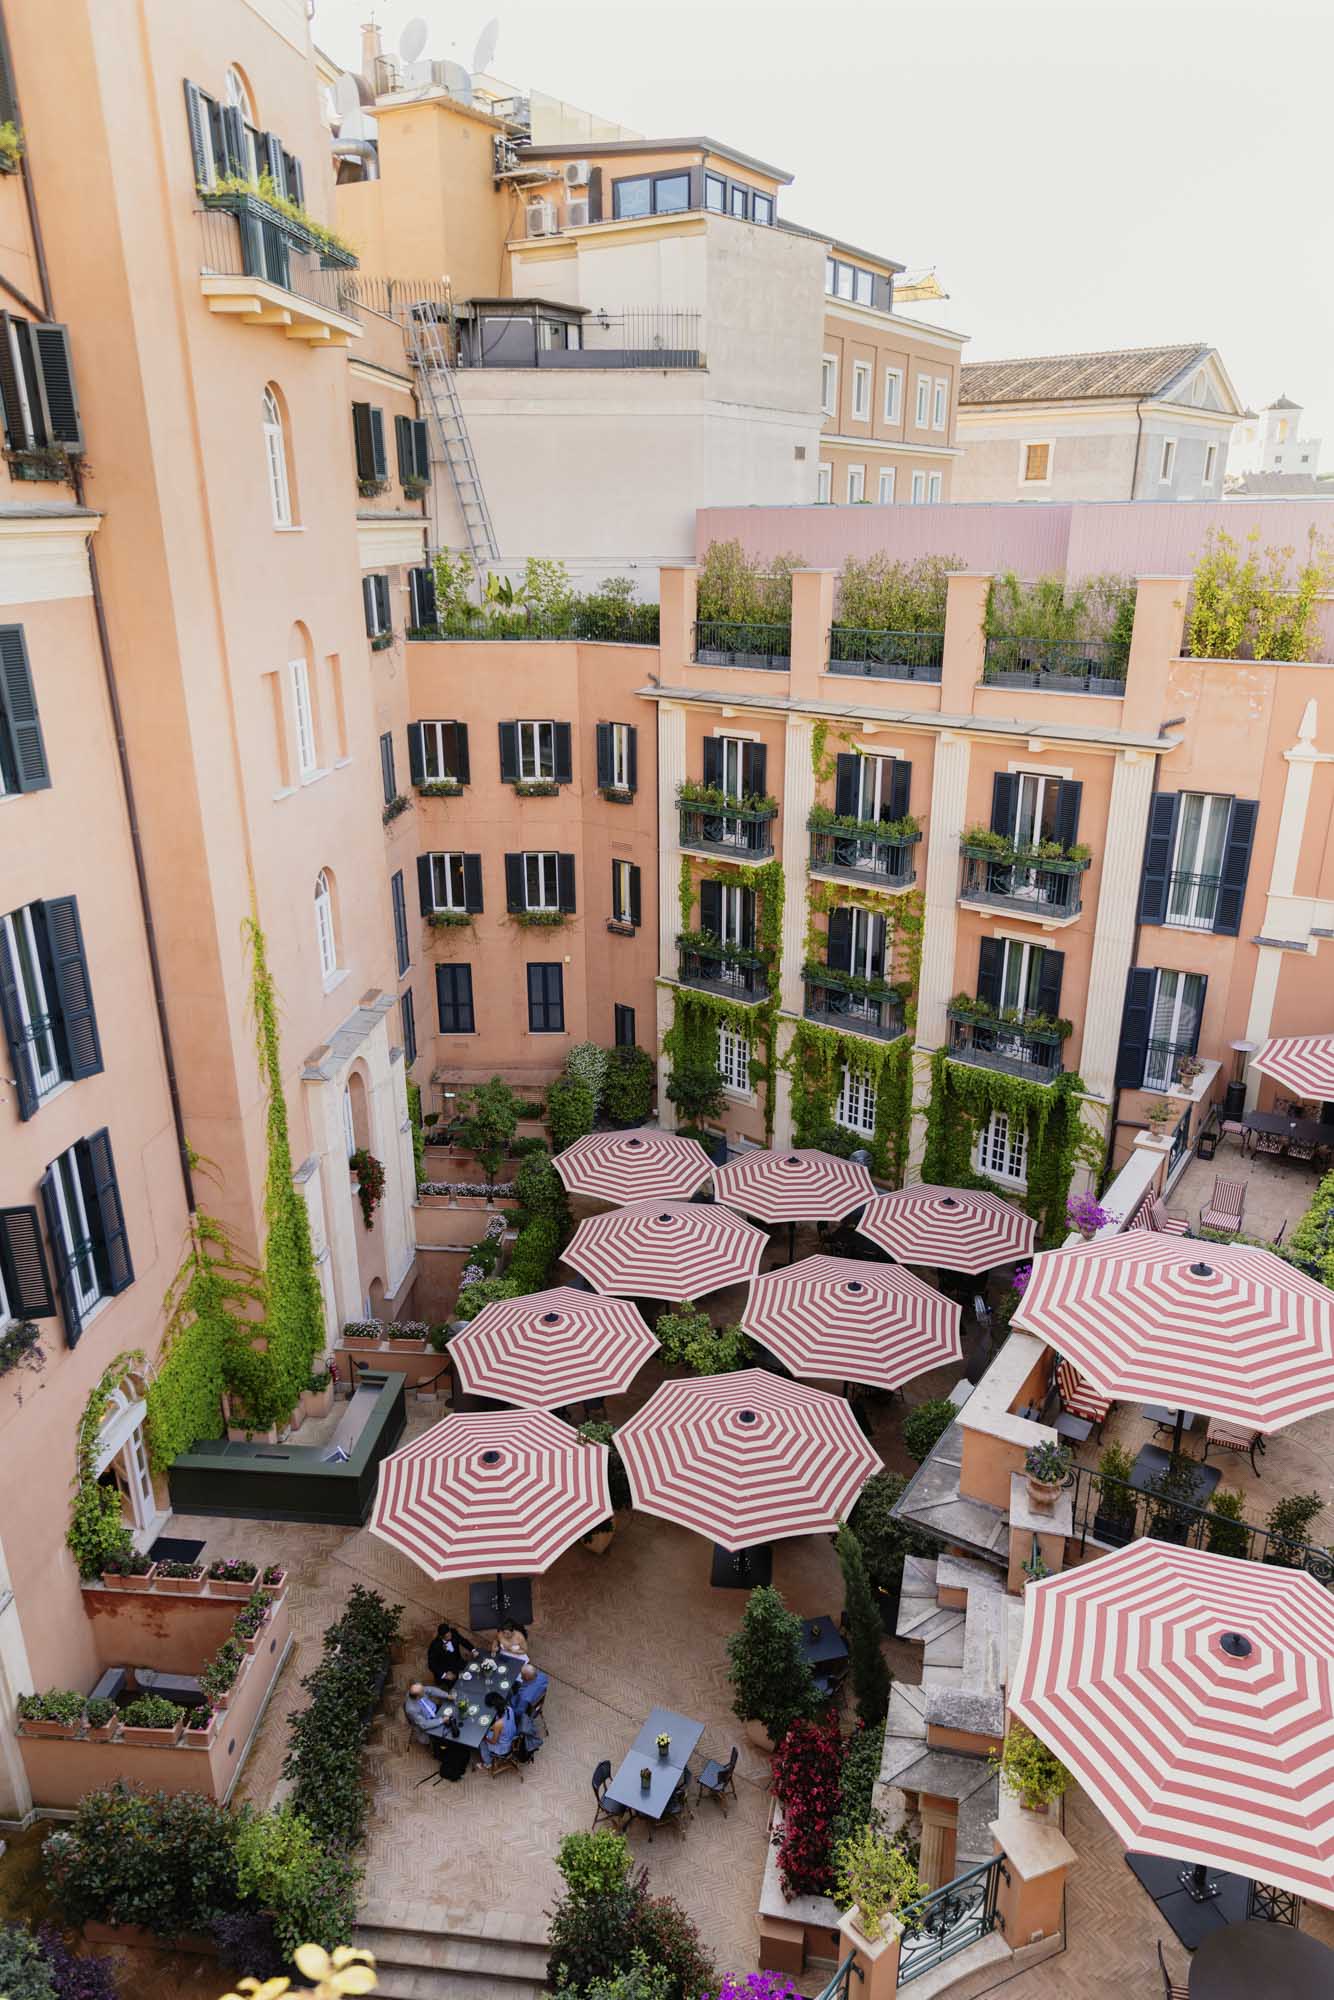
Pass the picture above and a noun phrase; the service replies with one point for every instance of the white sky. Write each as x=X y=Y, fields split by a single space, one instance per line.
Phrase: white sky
x=1080 y=176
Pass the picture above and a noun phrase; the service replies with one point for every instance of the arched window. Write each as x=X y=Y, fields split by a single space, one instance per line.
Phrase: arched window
x=275 y=458
x=324 y=925
x=236 y=91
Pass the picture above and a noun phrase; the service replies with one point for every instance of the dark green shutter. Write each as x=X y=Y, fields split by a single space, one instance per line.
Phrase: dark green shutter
x=399 y=904
x=754 y=760
x=604 y=754
x=421 y=585
x=561 y=753
x=900 y=790
x=1004 y=794
x=111 y=1247
x=509 y=753
x=1136 y=1022
x=368 y=604
x=388 y=776
x=990 y=970
x=74 y=993
x=362 y=440
x=711 y=908
x=565 y=883
x=421 y=449
x=1159 y=846
x=269 y=152
x=16 y=1034
x=416 y=754
x=55 y=1235
x=408 y=1020
x=462 y=768
x=1051 y=971
x=632 y=757
x=23 y=1263
x=425 y=889
x=636 y=905
x=17 y=433
x=296 y=180
x=196 y=116
x=379 y=460
x=403 y=447
x=875 y=967
x=235 y=156
x=847 y=785
x=1069 y=794
x=1236 y=866
x=713 y=762
x=382 y=600
x=838 y=949
x=18 y=713
x=472 y=883
x=514 y=896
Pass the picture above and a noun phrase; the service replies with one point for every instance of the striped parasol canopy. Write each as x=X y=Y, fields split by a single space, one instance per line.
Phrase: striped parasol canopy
x=499 y=1490
x=1305 y=1063
x=634 y=1166
x=798 y=1184
x=552 y=1347
x=746 y=1458
x=1192 y=1695
x=872 y=1323
x=952 y=1229
x=1230 y=1331
x=665 y=1249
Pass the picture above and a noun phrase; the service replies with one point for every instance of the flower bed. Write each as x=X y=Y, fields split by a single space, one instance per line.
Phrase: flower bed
x=807 y=1770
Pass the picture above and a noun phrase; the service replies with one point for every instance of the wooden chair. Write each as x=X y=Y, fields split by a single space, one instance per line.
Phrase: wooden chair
x=1079 y=1398
x=1223 y=1210
x=1232 y=1437
x=1171 y=1989
x=509 y=1762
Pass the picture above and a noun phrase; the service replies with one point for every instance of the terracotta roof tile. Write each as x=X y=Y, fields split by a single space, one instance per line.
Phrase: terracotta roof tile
x=1062 y=378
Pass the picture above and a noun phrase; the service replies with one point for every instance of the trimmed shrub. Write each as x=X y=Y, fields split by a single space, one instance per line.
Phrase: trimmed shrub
x=163 y=1860
x=627 y=1095
x=569 y=1111
x=323 y=1758
x=587 y=1063
x=473 y=1297
x=923 y=1425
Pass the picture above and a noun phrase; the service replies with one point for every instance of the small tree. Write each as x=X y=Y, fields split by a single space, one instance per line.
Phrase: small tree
x=569 y=1111
x=588 y=1062
x=870 y=1674
x=695 y=1088
x=771 y=1681
x=678 y=1329
x=489 y=1122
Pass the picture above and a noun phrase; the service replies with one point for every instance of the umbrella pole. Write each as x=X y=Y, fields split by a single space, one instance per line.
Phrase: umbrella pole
x=792 y=1243
x=1176 y=1434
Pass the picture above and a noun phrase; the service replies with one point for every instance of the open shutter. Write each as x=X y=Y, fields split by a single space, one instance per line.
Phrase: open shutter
x=296 y=180
x=990 y=970
x=398 y=903
x=18 y=713
x=379 y=460
x=1050 y=974
x=69 y=971
x=875 y=964
x=17 y=431
x=713 y=762
x=632 y=756
x=421 y=449
x=16 y=1035
x=462 y=768
x=403 y=446
x=900 y=789
x=561 y=753
x=1236 y=865
x=388 y=775
x=1004 y=793
x=595 y=195
x=196 y=115
x=514 y=897
x=838 y=950
x=472 y=883
x=509 y=753
x=1066 y=828
x=425 y=893
x=565 y=883
x=711 y=908
x=368 y=604
x=55 y=1236
x=421 y=587
x=754 y=758
x=847 y=784
x=383 y=603
x=604 y=755
x=1136 y=1018
x=1159 y=845
x=236 y=159
x=1196 y=1019
x=269 y=149
x=361 y=440
x=23 y=1261
x=416 y=754
x=56 y=373
x=636 y=903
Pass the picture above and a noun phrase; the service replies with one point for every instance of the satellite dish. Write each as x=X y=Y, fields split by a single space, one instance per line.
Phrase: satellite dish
x=347 y=102
x=457 y=81
x=484 y=54
x=412 y=40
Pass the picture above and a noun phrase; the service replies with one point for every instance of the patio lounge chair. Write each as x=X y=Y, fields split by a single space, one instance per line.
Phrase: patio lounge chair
x=1232 y=1437
x=1224 y=1207
x=1151 y=1214
x=1079 y=1398
x=1171 y=1989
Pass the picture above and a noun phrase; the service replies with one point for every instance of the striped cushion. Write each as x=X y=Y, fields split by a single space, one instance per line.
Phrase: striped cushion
x=1159 y=1219
x=1229 y=1437
x=1079 y=1397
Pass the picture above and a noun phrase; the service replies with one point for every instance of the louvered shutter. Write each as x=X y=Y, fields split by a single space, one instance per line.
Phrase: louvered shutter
x=23 y=1261
x=362 y=440
x=472 y=883
x=382 y=601
x=425 y=891
x=197 y=118
x=509 y=753
x=111 y=1244
x=403 y=446
x=561 y=753
x=514 y=896
x=838 y=947
x=1004 y=795
x=235 y=155
x=296 y=180
x=388 y=775
x=421 y=449
x=754 y=760
x=416 y=754
x=421 y=585
x=876 y=955
x=1159 y=846
x=711 y=908
x=379 y=460
x=65 y=1286
x=1068 y=798
x=713 y=762
x=18 y=713
x=900 y=790
x=69 y=971
x=462 y=768
x=16 y=1035
x=847 y=785
x=1136 y=1020
x=400 y=908
x=565 y=883
x=17 y=432
x=604 y=754
x=368 y=604
x=1050 y=974
x=632 y=757
x=269 y=151
x=990 y=970
x=636 y=904
x=1236 y=866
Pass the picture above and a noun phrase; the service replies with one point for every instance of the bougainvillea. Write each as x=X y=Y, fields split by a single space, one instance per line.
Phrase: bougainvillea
x=807 y=1774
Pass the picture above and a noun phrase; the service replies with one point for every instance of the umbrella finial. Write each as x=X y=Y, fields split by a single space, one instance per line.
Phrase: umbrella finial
x=948 y=1201
x=746 y=1417
x=1236 y=1645
x=792 y=1161
x=634 y=1142
x=855 y=1285
x=490 y=1458
x=551 y=1319
x=1201 y=1270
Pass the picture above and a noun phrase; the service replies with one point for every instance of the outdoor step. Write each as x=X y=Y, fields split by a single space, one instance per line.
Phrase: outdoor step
x=922 y=1619
x=951 y=1677
x=947 y=1647
x=499 y=1963
x=403 y=1918
x=907 y=1711
x=965 y=1573
x=919 y=1576
x=976 y=1813
x=398 y=1984
x=944 y=1773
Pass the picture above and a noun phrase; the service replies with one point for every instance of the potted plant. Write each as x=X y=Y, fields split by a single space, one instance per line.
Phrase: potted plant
x=1028 y=1769
x=151 y=1721
x=179 y=1579
x=368 y=1173
x=1173 y=1513
x=101 y=1719
x=1114 y=1517
x=363 y=1333
x=876 y=1876
x=129 y=1571
x=1227 y=1533
x=409 y=1336
x=664 y=1743
x=1160 y=1115
x=1188 y=1069
x=1086 y=1214
x=220 y=1675
x=199 y=1726
x=771 y=1681
x=1048 y=1467
x=251 y=1620
x=645 y=1777
x=58 y=1712
x=232 y=1576
x=317 y=1396
x=274 y=1579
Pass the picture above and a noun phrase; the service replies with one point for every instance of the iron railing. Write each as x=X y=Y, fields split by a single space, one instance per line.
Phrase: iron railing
x=1162 y=1064
x=727 y=642
x=884 y=862
x=394 y=298
x=1039 y=888
x=248 y=239
x=729 y=970
x=1018 y=1048
x=886 y=656
x=1113 y=1512
x=748 y=834
x=951 y=1918
x=840 y=1986
x=632 y=337
x=1192 y=901
x=1072 y=666
x=871 y=1007
x=622 y=625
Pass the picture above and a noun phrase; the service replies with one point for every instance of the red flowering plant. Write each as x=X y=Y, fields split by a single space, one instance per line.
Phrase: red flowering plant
x=807 y=1775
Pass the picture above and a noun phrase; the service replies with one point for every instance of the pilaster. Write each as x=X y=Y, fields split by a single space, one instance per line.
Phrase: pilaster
x=798 y=798
x=949 y=799
x=666 y=1014
x=1122 y=862
x=671 y=775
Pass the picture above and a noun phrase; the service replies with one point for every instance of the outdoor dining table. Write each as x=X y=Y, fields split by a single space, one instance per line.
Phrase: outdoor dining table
x=475 y=1686
x=627 y=1791
x=1248 y=1961
x=1307 y=1131
x=822 y=1643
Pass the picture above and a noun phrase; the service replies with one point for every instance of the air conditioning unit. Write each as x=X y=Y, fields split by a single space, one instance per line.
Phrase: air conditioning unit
x=542 y=218
x=577 y=173
x=576 y=212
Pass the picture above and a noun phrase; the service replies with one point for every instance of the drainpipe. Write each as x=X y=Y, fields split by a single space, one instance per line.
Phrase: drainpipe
x=1139 y=440
x=113 y=694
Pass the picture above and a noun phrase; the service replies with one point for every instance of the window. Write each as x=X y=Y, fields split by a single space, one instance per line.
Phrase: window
x=734 y=1060
x=422 y=613
x=448 y=884
x=306 y=760
x=918 y=489
x=650 y=194
x=349 y=1124
x=453 y=999
x=1197 y=860
x=940 y=404
x=23 y=766
x=856 y=484
x=400 y=909
x=388 y=779
x=830 y=276
x=86 y=1228
x=375 y=603
x=537 y=751
x=1002 y=1150
x=541 y=887
x=849 y=281
x=29 y=1014
x=438 y=752
x=923 y=401
x=861 y=390
x=623 y=1032
x=1168 y=463
x=829 y=384
x=408 y=1020
x=933 y=487
x=546 y=1000
x=893 y=395
x=715 y=193
x=1036 y=464
x=1020 y=976
x=762 y=209
x=237 y=94
x=72 y=1233
x=1174 y=1025
x=414 y=456
x=1211 y=461
x=275 y=457
x=324 y=926
x=824 y=479
x=625 y=893
x=885 y=488
x=855 y=1110
x=368 y=443
x=617 y=757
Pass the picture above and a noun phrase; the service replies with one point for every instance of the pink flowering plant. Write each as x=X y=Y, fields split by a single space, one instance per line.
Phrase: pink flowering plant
x=1086 y=1214
x=755 y=1986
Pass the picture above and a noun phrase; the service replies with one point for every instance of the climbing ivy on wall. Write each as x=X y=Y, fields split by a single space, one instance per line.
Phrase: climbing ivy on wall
x=96 y=1531
x=963 y=1099
x=418 y=1134
x=904 y=924
x=816 y=1061
x=698 y=1015
x=209 y=1332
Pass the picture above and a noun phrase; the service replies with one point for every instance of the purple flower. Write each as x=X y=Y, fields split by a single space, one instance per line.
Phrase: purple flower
x=1086 y=1214
x=1022 y=1274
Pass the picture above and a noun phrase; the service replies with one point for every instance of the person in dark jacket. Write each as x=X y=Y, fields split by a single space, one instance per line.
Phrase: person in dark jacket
x=447 y=1655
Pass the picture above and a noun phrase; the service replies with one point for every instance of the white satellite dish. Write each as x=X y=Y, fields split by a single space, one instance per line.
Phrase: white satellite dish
x=347 y=99
x=457 y=81
x=484 y=54
x=412 y=40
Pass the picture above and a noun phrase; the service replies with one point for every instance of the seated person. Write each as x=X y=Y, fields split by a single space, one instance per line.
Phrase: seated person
x=512 y=1639
x=422 y=1709
x=533 y=1684
x=499 y=1739
x=448 y=1654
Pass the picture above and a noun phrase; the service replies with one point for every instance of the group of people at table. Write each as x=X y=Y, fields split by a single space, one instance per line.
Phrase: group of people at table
x=431 y=1706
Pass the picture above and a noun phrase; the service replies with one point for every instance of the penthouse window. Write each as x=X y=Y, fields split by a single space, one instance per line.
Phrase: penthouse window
x=849 y=281
x=650 y=194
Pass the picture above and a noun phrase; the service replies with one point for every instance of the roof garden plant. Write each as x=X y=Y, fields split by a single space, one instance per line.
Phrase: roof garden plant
x=64 y=1705
x=1097 y=610
x=877 y=1875
x=880 y=595
x=807 y=1776
x=1257 y=604
x=150 y=1711
x=234 y=1569
x=736 y=588
x=327 y=241
x=1035 y=1775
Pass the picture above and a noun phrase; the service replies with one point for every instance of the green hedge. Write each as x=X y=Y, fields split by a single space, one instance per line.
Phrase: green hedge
x=323 y=1758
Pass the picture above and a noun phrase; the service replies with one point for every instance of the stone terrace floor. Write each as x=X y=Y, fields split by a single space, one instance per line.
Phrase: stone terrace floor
x=1278 y=1190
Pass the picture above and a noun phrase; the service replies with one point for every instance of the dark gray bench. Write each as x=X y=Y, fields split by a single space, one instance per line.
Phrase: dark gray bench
x=111 y=1686
x=183 y=1689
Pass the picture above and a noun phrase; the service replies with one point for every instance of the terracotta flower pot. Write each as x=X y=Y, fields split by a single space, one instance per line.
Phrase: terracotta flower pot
x=1039 y=1811
x=278 y=1586
x=152 y=1739
x=181 y=1586
x=239 y=1434
x=757 y=1734
x=1044 y=1493
x=222 y=1586
x=117 y=1582
x=44 y=1728
x=222 y=1699
x=106 y=1733
x=406 y=1346
x=198 y=1739
x=318 y=1402
x=359 y=1340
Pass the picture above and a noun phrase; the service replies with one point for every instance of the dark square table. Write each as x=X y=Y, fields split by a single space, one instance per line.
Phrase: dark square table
x=684 y=1732
x=823 y=1646
x=1309 y=1131
x=667 y=1772
x=1153 y=1460
x=1248 y=1960
x=507 y=1600
x=475 y=1686
x=1191 y=1921
x=1077 y=1429
x=742 y=1569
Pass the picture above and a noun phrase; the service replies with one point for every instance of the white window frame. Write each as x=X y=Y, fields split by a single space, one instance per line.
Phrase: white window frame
x=531 y=743
x=1032 y=444
x=919 y=489
x=1000 y=1154
x=933 y=488
x=275 y=452
x=325 y=941
x=732 y=908
x=349 y=1124
x=620 y=756
x=893 y=395
x=33 y=1002
x=861 y=392
x=870 y=936
x=856 y=1104
x=1162 y=1079
x=1210 y=464
x=1029 y=957
x=940 y=403
x=923 y=392
x=547 y=872
x=1167 y=462
x=856 y=484
x=829 y=384
x=74 y=1227
x=448 y=878
x=433 y=752
x=734 y=1051
x=824 y=484
x=307 y=750
x=1199 y=902
x=622 y=903
x=885 y=486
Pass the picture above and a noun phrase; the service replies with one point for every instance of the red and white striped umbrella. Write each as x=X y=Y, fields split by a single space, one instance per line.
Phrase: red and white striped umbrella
x=634 y=1166
x=746 y=1458
x=665 y=1249
x=1305 y=1063
x=1230 y=1331
x=873 y=1323
x=801 y=1185
x=552 y=1347
x=952 y=1229
x=499 y=1490
x=1192 y=1695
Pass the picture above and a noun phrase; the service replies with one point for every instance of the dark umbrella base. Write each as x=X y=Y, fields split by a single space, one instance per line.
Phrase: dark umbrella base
x=514 y=1606
x=743 y=1569
x=1192 y=1920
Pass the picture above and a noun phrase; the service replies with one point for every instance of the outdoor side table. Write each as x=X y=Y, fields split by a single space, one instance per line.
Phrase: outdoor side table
x=1077 y=1429
x=825 y=1646
x=1247 y=1961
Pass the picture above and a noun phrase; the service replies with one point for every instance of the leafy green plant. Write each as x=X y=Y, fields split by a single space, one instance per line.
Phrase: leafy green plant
x=20 y=1345
x=924 y=1424
x=1089 y=610
x=678 y=1328
x=825 y=819
x=97 y=1535
x=489 y=1120
x=569 y=1111
x=218 y=1675
x=1227 y=1533
x=164 y=1860
x=539 y=1189
x=876 y=1875
x=594 y=1864
x=885 y=1540
x=64 y=1705
x=857 y=1781
x=695 y=1087
x=1290 y=1522
x=870 y=1673
x=1048 y=1462
x=329 y=243
x=628 y=1088
x=150 y=1711
x=1255 y=606
x=1028 y=1768
x=734 y=586
x=370 y=1183
x=879 y=594
x=636 y=1981
x=690 y=792
x=536 y=1248
x=473 y=1297
x=98 y=1711
x=618 y=1481
x=455 y=580
x=771 y=1681
x=284 y=1868
x=323 y=1756
x=587 y=1062
x=25 y=1972
x=719 y=1351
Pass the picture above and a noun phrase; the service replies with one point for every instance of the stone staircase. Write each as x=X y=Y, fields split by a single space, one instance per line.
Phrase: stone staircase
x=427 y=1951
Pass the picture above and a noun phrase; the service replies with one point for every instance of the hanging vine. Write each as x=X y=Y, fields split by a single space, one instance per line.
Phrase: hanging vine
x=815 y=1062
x=963 y=1099
x=904 y=916
x=209 y=1322
x=698 y=1015
x=96 y=1531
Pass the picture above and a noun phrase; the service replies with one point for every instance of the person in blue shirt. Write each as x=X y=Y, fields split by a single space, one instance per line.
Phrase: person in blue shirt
x=499 y=1739
x=423 y=1708
x=533 y=1684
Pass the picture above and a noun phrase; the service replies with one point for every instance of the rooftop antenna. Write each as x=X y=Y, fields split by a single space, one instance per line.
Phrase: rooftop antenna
x=485 y=53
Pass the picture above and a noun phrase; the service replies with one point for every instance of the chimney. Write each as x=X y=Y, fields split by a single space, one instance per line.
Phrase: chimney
x=370 y=47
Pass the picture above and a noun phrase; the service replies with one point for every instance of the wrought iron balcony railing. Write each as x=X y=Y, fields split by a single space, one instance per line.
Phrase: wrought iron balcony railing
x=886 y=656
x=1030 y=888
x=726 y=642
x=882 y=861
x=730 y=970
x=244 y=237
x=1192 y=901
x=1069 y=666
x=746 y=833
x=1028 y=1047
x=860 y=1006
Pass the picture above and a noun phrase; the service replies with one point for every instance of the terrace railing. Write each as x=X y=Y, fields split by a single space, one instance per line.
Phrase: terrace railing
x=727 y=642
x=732 y=971
x=1038 y=888
x=881 y=861
x=1113 y=1512
x=886 y=656
x=1019 y=1048
x=244 y=237
x=1068 y=666
x=861 y=1006
x=1192 y=901
x=950 y=1919
x=746 y=834
x=622 y=625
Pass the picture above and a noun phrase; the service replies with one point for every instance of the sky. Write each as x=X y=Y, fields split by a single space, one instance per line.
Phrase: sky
x=1079 y=176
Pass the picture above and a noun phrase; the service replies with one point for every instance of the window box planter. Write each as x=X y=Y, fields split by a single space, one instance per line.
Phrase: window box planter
x=301 y=230
x=251 y=1640
x=381 y=641
x=540 y=920
x=620 y=929
x=119 y=1580
x=536 y=788
x=275 y=1576
x=42 y=1726
x=360 y=1340
x=49 y=463
x=182 y=1586
x=105 y=1732
x=317 y=1403
x=371 y=489
x=227 y=1585
x=440 y=788
x=615 y=796
x=450 y=920
x=153 y=1739
x=198 y=1735
x=407 y=1344
x=246 y=1434
x=416 y=489
x=394 y=810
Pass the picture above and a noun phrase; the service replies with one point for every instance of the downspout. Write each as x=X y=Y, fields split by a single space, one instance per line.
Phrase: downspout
x=1139 y=440
x=113 y=694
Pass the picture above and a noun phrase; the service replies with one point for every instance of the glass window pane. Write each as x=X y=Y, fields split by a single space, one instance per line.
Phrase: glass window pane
x=631 y=198
x=830 y=276
x=546 y=750
x=845 y=281
x=761 y=208
x=715 y=193
x=865 y=290
x=671 y=193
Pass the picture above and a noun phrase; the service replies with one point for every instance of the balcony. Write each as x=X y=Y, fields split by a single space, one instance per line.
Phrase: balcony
x=865 y=851
x=726 y=642
x=732 y=971
x=1020 y=1044
x=1046 y=890
x=605 y=624
x=721 y=825
x=535 y=333
x=1192 y=901
x=1057 y=666
x=886 y=656
x=265 y=269
x=852 y=1005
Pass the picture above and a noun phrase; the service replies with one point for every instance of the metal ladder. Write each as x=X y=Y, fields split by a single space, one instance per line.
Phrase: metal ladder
x=448 y=430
